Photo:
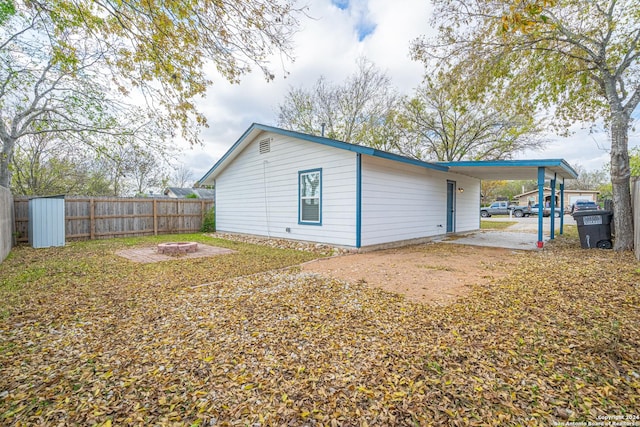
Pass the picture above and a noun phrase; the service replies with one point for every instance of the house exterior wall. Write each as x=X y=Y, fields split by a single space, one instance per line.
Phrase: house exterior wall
x=258 y=193
x=467 y=203
x=405 y=202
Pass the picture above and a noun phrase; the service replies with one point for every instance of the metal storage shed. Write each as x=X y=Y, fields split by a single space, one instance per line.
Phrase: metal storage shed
x=46 y=222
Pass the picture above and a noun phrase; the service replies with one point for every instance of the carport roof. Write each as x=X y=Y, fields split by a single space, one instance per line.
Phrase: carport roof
x=512 y=169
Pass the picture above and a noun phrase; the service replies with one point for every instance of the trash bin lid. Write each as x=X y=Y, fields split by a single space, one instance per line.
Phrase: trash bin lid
x=587 y=213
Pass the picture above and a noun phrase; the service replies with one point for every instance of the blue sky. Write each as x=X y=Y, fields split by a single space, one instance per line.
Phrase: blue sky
x=330 y=41
x=363 y=25
x=341 y=4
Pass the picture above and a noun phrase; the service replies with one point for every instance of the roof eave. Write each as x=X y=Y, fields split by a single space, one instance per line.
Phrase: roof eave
x=208 y=178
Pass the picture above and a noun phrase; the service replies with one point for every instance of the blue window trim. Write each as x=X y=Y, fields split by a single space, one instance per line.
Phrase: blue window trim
x=300 y=221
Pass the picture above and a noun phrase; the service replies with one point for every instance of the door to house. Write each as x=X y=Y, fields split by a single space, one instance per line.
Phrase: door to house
x=451 y=206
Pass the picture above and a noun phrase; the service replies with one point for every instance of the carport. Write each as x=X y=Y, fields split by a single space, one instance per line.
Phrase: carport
x=556 y=171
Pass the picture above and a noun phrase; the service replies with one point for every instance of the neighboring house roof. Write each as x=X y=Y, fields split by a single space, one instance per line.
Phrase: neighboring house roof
x=547 y=189
x=202 y=193
x=493 y=169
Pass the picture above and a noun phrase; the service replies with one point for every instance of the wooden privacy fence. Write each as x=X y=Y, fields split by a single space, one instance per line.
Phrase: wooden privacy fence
x=103 y=218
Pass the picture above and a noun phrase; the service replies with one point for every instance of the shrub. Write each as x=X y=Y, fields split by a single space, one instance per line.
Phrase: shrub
x=209 y=221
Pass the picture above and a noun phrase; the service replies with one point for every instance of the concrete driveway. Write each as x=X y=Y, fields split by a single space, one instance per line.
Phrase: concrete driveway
x=523 y=235
x=530 y=224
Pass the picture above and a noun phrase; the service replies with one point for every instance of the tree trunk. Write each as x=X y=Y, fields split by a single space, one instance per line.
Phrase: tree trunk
x=6 y=155
x=620 y=180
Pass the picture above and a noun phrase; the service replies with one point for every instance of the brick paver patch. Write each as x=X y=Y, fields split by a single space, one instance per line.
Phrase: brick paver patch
x=150 y=253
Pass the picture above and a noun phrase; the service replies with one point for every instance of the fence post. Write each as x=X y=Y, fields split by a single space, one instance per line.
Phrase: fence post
x=92 y=219
x=155 y=218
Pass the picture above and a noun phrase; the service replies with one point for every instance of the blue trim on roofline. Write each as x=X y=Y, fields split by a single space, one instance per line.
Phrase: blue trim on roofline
x=515 y=163
x=324 y=141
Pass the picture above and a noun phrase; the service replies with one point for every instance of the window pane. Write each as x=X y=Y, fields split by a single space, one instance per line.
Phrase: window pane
x=310 y=196
x=310 y=210
x=310 y=184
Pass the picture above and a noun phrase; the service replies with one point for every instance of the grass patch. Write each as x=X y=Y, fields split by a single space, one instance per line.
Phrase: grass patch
x=496 y=225
x=99 y=340
x=435 y=267
x=85 y=268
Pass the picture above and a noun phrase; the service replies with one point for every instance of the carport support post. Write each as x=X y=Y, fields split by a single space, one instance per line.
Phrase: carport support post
x=552 y=206
x=540 y=205
x=562 y=207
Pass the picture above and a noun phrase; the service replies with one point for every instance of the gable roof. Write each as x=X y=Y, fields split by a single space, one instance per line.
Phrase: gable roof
x=489 y=170
x=255 y=129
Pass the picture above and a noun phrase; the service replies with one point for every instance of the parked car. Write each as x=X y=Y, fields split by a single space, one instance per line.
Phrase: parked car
x=546 y=211
x=584 y=205
x=503 y=208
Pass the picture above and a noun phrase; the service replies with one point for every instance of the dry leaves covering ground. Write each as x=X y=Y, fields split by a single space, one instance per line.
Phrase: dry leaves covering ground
x=89 y=339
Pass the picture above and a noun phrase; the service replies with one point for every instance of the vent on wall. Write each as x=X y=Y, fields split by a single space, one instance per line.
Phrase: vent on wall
x=265 y=146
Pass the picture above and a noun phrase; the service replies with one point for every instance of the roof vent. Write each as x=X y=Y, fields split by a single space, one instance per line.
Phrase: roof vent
x=265 y=146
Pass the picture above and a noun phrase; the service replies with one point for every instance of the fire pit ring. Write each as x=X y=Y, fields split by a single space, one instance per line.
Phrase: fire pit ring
x=177 y=248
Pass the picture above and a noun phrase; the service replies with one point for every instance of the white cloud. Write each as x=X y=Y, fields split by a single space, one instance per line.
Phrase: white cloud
x=328 y=45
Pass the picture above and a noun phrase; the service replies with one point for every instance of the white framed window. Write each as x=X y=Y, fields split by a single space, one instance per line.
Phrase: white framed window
x=310 y=197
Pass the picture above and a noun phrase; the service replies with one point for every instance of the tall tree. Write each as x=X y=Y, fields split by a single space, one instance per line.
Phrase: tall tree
x=43 y=165
x=146 y=172
x=580 y=58
x=182 y=176
x=133 y=169
x=441 y=123
x=75 y=66
x=356 y=111
x=588 y=180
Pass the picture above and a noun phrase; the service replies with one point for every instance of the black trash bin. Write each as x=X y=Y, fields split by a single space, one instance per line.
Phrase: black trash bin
x=594 y=229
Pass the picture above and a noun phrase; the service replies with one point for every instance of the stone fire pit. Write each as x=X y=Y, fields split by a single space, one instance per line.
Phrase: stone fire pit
x=177 y=248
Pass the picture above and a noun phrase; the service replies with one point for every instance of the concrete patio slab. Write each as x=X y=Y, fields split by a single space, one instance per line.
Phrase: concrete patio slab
x=150 y=254
x=496 y=239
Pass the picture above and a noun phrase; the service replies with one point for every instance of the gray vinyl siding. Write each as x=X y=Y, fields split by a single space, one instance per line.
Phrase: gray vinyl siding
x=258 y=193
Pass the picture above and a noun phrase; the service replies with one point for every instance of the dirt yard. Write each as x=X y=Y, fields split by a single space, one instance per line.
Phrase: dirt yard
x=436 y=273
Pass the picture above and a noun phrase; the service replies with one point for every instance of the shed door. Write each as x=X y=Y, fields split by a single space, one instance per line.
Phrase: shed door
x=451 y=206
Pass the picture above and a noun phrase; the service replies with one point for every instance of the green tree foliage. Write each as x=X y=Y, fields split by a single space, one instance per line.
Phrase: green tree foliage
x=440 y=123
x=504 y=190
x=209 y=221
x=75 y=66
x=634 y=161
x=44 y=166
x=7 y=9
x=357 y=111
x=579 y=58
x=588 y=180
